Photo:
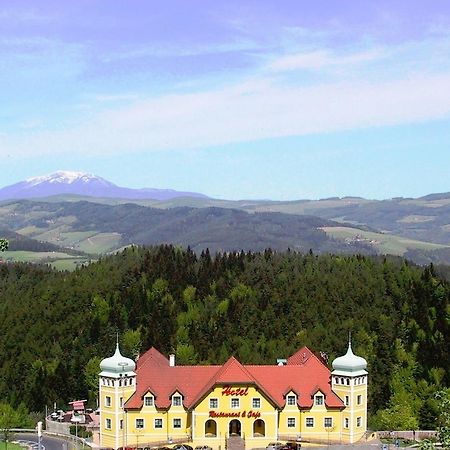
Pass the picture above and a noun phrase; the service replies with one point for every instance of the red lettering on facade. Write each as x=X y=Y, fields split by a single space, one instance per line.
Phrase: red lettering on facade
x=229 y=391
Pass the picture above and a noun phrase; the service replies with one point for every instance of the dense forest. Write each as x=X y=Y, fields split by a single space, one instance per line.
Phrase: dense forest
x=57 y=326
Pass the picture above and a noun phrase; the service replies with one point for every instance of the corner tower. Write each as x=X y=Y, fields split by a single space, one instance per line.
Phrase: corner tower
x=349 y=382
x=117 y=384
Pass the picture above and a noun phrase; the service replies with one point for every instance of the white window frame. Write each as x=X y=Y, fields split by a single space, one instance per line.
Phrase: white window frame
x=149 y=400
x=256 y=403
x=159 y=421
x=359 y=422
x=291 y=422
x=328 y=420
x=347 y=400
x=108 y=423
x=139 y=423
x=319 y=399
x=177 y=400
x=346 y=422
x=309 y=422
x=108 y=401
x=212 y=402
x=359 y=399
x=178 y=419
x=235 y=403
x=291 y=400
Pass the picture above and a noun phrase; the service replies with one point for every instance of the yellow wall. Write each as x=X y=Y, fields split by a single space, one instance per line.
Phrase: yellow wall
x=246 y=413
x=310 y=423
x=114 y=436
x=357 y=387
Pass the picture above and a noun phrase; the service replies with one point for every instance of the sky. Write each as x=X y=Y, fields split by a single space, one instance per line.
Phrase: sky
x=237 y=99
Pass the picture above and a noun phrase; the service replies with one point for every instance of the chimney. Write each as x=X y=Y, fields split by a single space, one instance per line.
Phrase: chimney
x=172 y=360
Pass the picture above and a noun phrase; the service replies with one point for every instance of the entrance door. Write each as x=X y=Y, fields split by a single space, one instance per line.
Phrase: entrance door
x=235 y=428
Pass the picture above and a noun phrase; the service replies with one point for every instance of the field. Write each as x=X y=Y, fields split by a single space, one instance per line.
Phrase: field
x=60 y=260
x=382 y=242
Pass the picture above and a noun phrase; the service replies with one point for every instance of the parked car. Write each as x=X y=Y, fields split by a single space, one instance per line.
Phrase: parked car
x=274 y=446
x=182 y=447
x=292 y=445
x=203 y=447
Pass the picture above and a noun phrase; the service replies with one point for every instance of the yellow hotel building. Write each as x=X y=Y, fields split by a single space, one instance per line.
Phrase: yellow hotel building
x=155 y=402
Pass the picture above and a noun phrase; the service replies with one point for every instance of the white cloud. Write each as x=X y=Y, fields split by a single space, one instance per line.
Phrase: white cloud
x=244 y=112
x=320 y=59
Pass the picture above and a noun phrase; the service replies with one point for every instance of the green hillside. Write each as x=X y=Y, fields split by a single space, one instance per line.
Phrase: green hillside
x=256 y=306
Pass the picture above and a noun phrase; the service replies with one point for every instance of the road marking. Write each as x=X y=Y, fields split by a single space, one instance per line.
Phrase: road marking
x=32 y=444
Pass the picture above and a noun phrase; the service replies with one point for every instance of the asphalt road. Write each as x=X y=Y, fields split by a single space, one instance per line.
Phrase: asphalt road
x=47 y=443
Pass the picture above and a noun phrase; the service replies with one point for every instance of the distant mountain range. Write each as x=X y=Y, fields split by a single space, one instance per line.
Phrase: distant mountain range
x=85 y=184
x=86 y=213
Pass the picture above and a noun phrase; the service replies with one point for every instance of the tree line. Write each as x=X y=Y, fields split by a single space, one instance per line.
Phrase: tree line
x=57 y=326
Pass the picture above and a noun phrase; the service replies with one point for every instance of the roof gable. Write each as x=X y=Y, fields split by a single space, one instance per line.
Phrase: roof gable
x=233 y=372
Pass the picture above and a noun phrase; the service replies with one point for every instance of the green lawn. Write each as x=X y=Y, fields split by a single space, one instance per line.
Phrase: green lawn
x=11 y=446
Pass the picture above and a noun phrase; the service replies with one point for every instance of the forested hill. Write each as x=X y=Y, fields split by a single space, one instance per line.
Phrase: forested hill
x=55 y=326
x=98 y=228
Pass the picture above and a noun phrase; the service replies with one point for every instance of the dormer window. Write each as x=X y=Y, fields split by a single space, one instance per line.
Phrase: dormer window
x=148 y=401
x=319 y=400
x=291 y=400
x=176 y=400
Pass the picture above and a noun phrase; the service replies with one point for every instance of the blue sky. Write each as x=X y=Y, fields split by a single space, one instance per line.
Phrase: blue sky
x=277 y=99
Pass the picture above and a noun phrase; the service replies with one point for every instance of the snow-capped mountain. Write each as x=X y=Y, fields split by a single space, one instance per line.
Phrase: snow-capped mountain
x=86 y=184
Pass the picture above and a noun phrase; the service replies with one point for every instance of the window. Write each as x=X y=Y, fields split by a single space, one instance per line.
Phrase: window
x=346 y=422
x=121 y=424
x=291 y=422
x=108 y=424
x=291 y=400
x=256 y=403
x=139 y=423
x=310 y=422
x=213 y=403
x=328 y=422
x=235 y=403
x=121 y=402
x=148 y=401
x=176 y=400
x=347 y=400
x=348 y=381
x=177 y=423
x=107 y=400
x=158 y=423
x=358 y=421
x=359 y=399
x=319 y=399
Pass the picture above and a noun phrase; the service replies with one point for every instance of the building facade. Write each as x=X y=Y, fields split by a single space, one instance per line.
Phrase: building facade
x=154 y=402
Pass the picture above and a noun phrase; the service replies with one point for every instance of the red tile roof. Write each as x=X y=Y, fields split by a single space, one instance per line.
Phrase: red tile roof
x=304 y=374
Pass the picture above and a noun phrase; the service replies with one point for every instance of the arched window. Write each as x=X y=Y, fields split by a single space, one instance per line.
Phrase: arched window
x=259 y=428
x=210 y=428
